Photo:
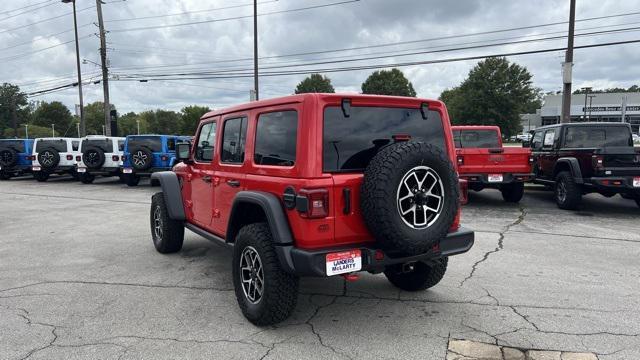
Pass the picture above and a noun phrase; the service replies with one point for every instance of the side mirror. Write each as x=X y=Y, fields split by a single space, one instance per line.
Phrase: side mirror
x=526 y=144
x=182 y=152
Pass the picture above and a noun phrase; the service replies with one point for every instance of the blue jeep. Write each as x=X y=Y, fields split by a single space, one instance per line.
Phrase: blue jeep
x=146 y=154
x=15 y=157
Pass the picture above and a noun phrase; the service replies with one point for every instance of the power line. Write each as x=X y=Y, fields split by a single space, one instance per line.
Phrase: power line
x=26 y=11
x=42 y=36
x=188 y=12
x=44 y=20
x=18 y=56
x=231 y=18
x=24 y=7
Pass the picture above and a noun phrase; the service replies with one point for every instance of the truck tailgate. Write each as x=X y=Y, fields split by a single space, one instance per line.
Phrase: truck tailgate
x=489 y=161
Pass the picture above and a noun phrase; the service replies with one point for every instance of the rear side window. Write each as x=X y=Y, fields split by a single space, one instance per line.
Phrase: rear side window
x=171 y=144
x=549 y=138
x=349 y=143
x=233 y=140
x=75 y=145
x=16 y=145
x=276 y=138
x=106 y=145
x=476 y=139
x=206 y=142
x=153 y=143
x=597 y=137
x=536 y=143
x=120 y=145
x=58 y=145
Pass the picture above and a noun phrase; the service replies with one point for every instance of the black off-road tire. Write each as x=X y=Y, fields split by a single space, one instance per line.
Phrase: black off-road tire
x=422 y=276
x=41 y=176
x=513 y=192
x=170 y=236
x=145 y=162
x=380 y=192
x=86 y=178
x=4 y=175
x=55 y=159
x=280 y=289
x=573 y=197
x=131 y=179
x=8 y=158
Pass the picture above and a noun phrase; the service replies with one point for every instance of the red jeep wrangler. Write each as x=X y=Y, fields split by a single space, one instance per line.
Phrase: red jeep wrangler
x=484 y=163
x=317 y=185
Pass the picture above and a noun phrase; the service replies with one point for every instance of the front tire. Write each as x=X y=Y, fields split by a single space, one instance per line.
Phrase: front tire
x=567 y=193
x=41 y=176
x=86 y=178
x=265 y=292
x=131 y=179
x=420 y=277
x=512 y=193
x=4 y=175
x=167 y=234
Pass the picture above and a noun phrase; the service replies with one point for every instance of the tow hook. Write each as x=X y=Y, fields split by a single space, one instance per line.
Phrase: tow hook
x=408 y=267
x=351 y=277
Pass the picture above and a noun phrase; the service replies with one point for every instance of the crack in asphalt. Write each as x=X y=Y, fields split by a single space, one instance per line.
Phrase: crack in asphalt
x=524 y=317
x=573 y=235
x=520 y=219
x=317 y=334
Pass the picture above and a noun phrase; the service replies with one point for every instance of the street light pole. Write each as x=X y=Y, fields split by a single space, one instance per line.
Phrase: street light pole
x=53 y=130
x=138 y=125
x=586 y=94
x=75 y=28
x=255 y=48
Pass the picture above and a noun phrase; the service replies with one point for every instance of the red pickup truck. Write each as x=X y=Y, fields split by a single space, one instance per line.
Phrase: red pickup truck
x=484 y=163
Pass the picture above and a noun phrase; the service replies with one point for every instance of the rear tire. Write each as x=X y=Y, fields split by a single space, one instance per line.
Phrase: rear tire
x=86 y=178
x=422 y=276
x=4 y=175
x=567 y=193
x=512 y=193
x=131 y=179
x=41 y=176
x=167 y=234
x=279 y=292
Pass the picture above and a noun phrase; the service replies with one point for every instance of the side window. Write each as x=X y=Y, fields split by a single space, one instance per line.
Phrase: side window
x=75 y=145
x=549 y=138
x=276 y=137
x=233 y=140
x=171 y=144
x=456 y=138
x=536 y=143
x=206 y=142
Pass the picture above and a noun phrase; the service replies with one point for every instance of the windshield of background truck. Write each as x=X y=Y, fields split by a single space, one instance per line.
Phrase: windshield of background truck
x=597 y=136
x=349 y=143
x=476 y=139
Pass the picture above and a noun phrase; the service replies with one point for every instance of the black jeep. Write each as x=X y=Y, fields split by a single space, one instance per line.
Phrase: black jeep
x=581 y=158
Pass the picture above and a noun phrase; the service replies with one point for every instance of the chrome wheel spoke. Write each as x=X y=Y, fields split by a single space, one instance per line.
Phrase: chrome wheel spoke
x=420 y=205
x=251 y=274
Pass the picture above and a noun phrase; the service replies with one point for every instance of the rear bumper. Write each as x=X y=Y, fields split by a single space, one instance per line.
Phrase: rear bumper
x=622 y=184
x=313 y=262
x=146 y=172
x=16 y=170
x=507 y=178
x=102 y=171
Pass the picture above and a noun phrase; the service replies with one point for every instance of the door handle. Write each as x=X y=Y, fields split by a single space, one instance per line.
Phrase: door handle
x=206 y=179
x=233 y=183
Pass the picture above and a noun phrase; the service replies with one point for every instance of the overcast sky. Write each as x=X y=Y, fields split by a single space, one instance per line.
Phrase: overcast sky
x=228 y=44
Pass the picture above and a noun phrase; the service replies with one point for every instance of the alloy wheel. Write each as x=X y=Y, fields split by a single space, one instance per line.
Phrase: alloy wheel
x=251 y=274
x=420 y=197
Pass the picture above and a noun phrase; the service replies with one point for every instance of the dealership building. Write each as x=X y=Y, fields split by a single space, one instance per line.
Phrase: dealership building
x=612 y=107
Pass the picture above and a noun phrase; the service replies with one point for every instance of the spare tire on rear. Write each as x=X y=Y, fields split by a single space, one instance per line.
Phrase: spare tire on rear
x=141 y=158
x=49 y=158
x=409 y=197
x=8 y=158
x=93 y=157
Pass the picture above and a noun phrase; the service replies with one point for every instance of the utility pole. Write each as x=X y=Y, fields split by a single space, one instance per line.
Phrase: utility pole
x=75 y=28
x=567 y=66
x=255 y=48
x=105 y=71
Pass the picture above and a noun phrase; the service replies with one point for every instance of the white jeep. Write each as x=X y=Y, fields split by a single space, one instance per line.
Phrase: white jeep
x=100 y=155
x=54 y=155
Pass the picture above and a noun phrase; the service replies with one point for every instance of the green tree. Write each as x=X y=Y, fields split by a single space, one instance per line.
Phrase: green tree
x=632 y=88
x=94 y=118
x=190 y=117
x=128 y=124
x=496 y=92
x=315 y=83
x=12 y=101
x=388 y=82
x=161 y=121
x=55 y=113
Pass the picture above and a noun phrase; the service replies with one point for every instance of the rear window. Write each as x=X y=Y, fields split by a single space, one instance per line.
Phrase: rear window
x=153 y=143
x=276 y=139
x=476 y=139
x=17 y=145
x=597 y=137
x=349 y=143
x=58 y=145
x=105 y=144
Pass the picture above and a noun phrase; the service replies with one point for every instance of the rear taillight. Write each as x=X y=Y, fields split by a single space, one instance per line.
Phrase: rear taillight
x=164 y=158
x=597 y=162
x=124 y=157
x=78 y=158
x=460 y=160
x=317 y=203
x=464 y=191
x=30 y=157
x=115 y=158
x=69 y=157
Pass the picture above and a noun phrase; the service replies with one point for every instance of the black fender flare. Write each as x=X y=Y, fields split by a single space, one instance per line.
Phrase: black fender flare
x=172 y=193
x=273 y=210
x=574 y=165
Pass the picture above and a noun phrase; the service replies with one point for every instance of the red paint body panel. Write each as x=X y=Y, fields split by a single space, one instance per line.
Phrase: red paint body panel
x=337 y=228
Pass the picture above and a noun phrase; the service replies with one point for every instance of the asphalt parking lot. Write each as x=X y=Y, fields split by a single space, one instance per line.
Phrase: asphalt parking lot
x=79 y=278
